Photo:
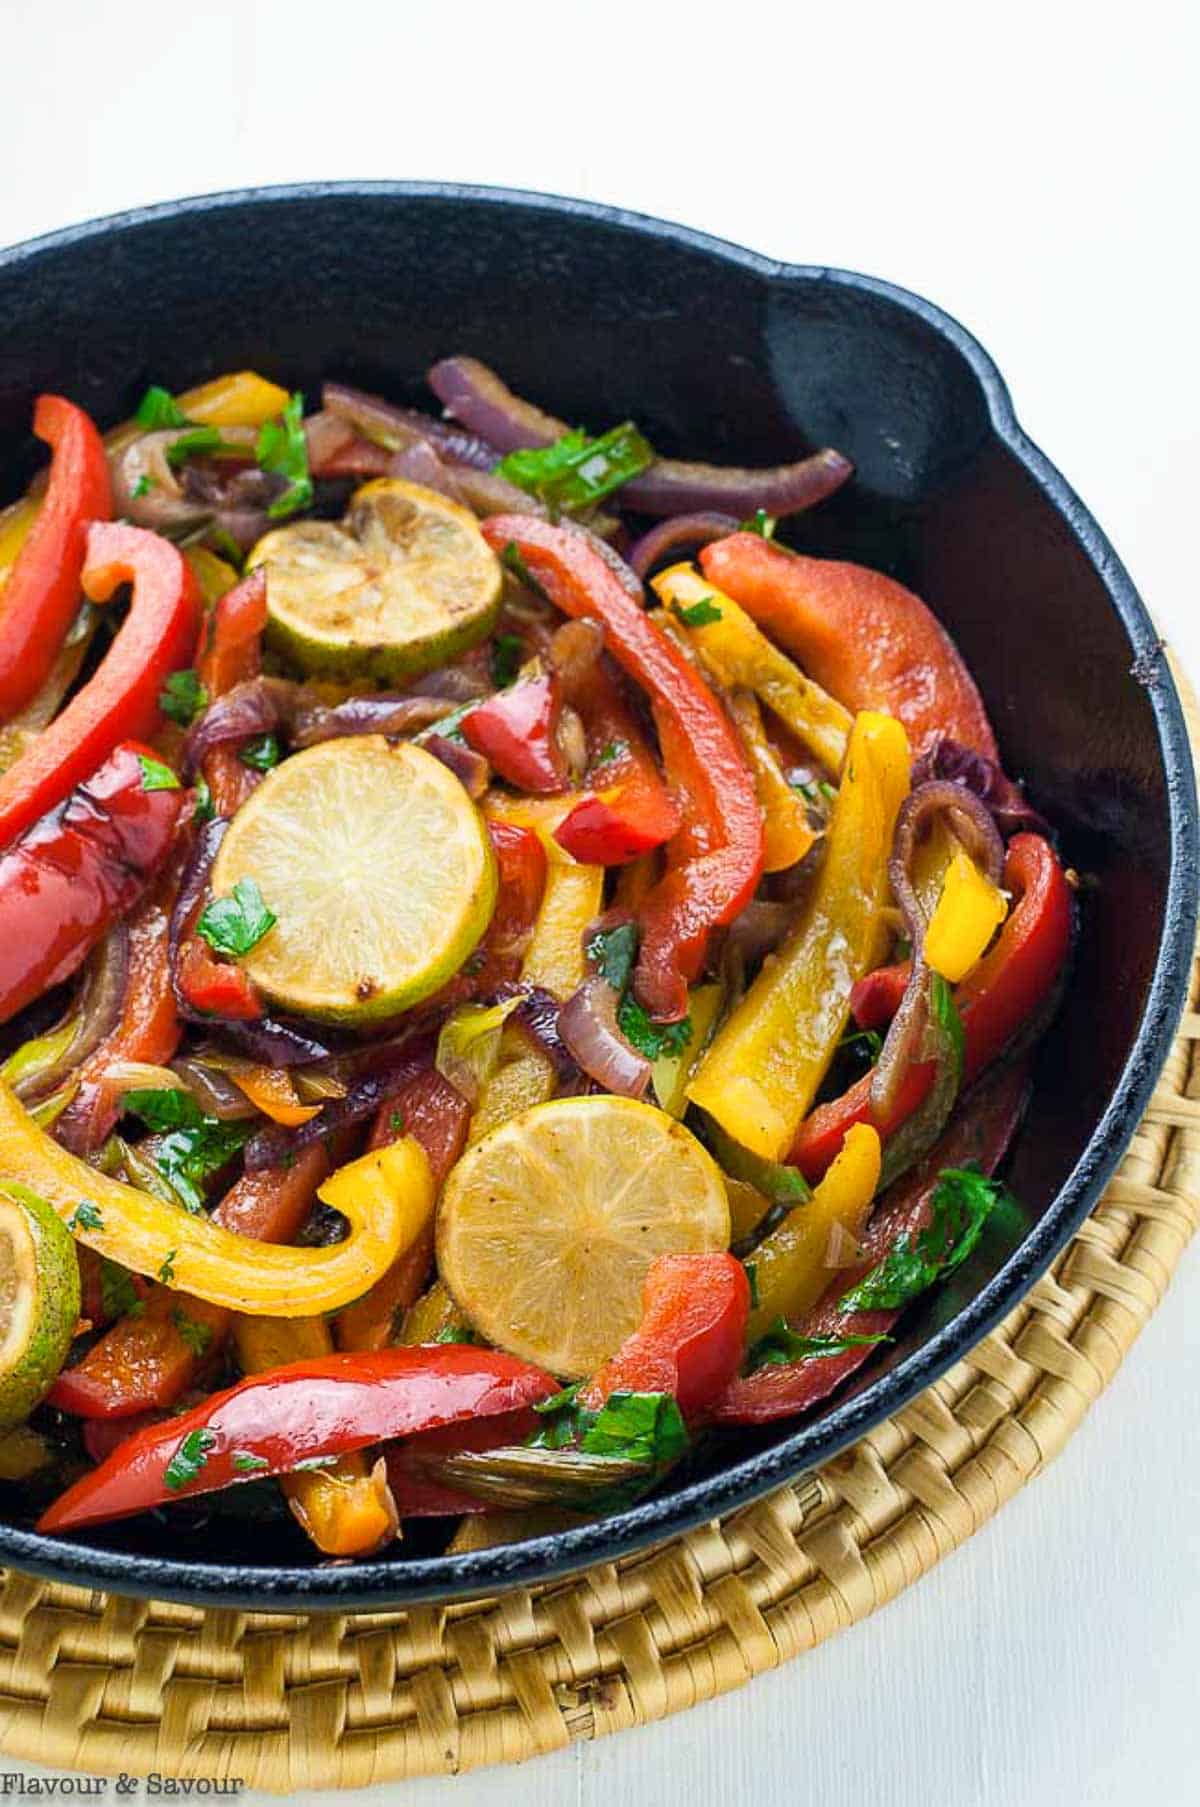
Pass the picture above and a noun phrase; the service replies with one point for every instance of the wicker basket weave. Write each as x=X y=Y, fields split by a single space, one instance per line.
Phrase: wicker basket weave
x=106 y=1684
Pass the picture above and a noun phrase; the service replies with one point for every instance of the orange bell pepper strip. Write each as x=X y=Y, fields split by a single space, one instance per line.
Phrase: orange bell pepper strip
x=980 y=1130
x=121 y=700
x=627 y=809
x=146 y=1361
x=231 y=654
x=1012 y=981
x=715 y=862
x=41 y=598
x=863 y=637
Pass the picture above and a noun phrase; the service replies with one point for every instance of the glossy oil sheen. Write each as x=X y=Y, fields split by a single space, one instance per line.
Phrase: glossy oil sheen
x=717 y=353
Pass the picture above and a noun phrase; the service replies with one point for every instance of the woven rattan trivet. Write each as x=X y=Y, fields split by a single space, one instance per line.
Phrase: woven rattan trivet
x=108 y=1685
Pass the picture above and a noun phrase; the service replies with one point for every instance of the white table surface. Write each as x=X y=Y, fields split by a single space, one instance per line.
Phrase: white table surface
x=1032 y=168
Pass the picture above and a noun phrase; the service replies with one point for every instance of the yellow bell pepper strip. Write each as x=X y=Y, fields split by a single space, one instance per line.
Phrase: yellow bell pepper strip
x=736 y=654
x=671 y=1072
x=15 y=523
x=787 y=833
x=790 y=1264
x=215 y=576
x=196 y=1255
x=433 y=1313
x=555 y=962
x=747 y=1208
x=969 y=911
x=239 y=398
x=347 y=1508
x=758 y=1079
x=381 y=1180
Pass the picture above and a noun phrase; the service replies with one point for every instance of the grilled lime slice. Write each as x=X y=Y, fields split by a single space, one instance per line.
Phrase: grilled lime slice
x=404 y=582
x=39 y=1300
x=377 y=868
x=548 y=1224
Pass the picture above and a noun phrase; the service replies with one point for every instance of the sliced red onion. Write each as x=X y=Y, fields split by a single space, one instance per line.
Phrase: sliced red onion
x=214 y=1092
x=485 y=493
x=759 y=929
x=274 y=1145
x=587 y=1026
x=675 y=533
x=477 y=396
x=538 y=1014
x=96 y=1012
x=419 y=463
x=971 y=822
x=948 y=759
x=394 y=427
x=148 y=492
x=469 y=767
x=384 y=714
x=256 y=706
x=194 y=882
x=465 y=682
x=272 y=1042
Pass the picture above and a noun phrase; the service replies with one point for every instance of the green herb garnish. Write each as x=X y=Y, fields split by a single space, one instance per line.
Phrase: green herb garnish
x=577 y=472
x=158 y=409
x=204 y=811
x=85 y=1216
x=654 y=1040
x=197 y=1337
x=611 y=752
x=119 y=1297
x=261 y=753
x=155 y=775
x=191 y=1147
x=762 y=523
x=283 y=450
x=197 y=442
x=697 y=614
x=963 y=1200
x=632 y=1427
x=189 y=1459
x=166 y=1272
x=507 y=653
x=163 y=1108
x=612 y=952
x=781 y=1346
x=246 y=1462
x=142 y=487
x=235 y=924
x=182 y=697
x=456 y=1333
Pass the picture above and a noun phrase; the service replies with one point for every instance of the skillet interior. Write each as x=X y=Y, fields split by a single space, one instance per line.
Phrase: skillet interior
x=717 y=354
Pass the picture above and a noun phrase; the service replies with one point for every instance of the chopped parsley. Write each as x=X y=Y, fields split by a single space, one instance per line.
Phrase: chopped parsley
x=282 y=449
x=119 y=1297
x=158 y=409
x=197 y=442
x=762 y=523
x=697 y=614
x=577 y=472
x=507 y=652
x=963 y=1200
x=204 y=811
x=155 y=775
x=781 y=1346
x=261 y=753
x=246 y=1462
x=612 y=952
x=654 y=1040
x=197 y=1337
x=182 y=697
x=142 y=487
x=189 y=1459
x=235 y=924
x=166 y=1272
x=190 y=1147
x=85 y=1216
x=456 y=1333
x=611 y=752
x=396 y=1123
x=164 y=1108
x=630 y=1427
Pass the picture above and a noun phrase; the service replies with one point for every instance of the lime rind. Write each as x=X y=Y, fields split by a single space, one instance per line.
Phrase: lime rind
x=39 y=1300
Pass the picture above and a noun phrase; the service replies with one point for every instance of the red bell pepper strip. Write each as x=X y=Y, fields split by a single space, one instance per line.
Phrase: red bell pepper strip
x=517 y=730
x=691 y=1337
x=272 y=1422
x=42 y=595
x=147 y=1361
x=121 y=700
x=875 y=999
x=865 y=638
x=981 y=1130
x=214 y=987
x=1011 y=982
x=627 y=810
x=428 y=1108
x=147 y=1029
x=231 y=654
x=715 y=862
x=66 y=881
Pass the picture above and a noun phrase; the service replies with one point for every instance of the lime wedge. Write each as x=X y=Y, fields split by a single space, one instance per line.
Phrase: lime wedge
x=403 y=583
x=548 y=1224
x=39 y=1300
x=378 y=869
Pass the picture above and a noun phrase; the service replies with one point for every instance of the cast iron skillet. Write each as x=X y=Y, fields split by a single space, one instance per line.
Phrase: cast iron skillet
x=722 y=354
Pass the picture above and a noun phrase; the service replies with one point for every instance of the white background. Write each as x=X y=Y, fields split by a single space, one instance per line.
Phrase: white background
x=1033 y=168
